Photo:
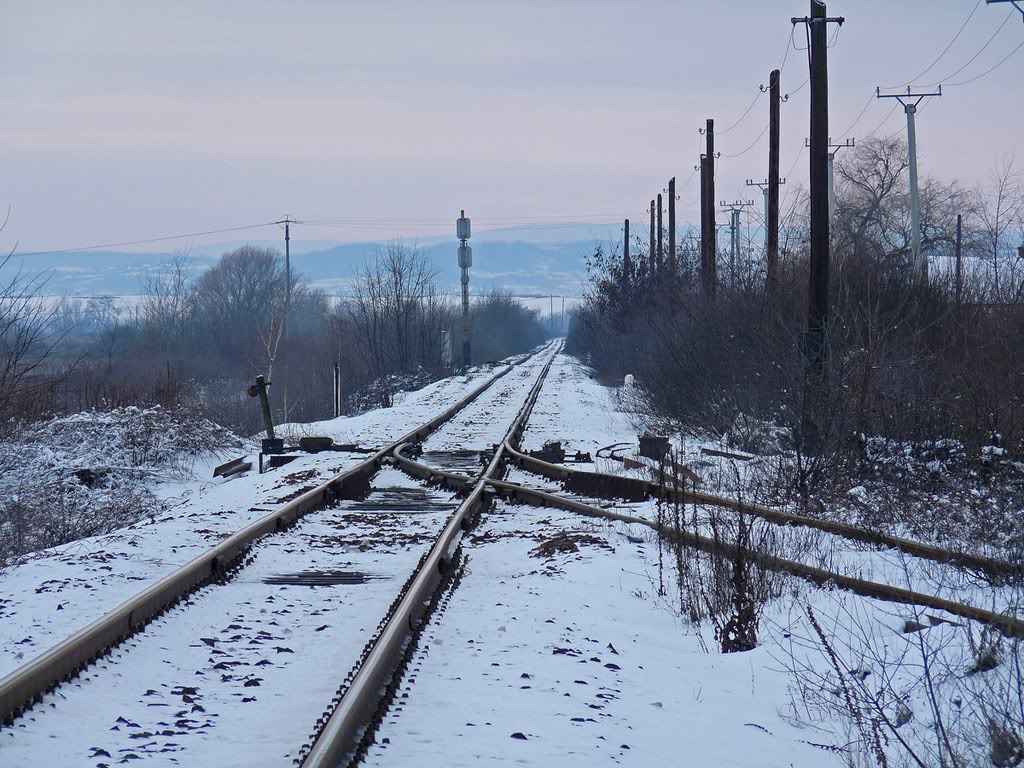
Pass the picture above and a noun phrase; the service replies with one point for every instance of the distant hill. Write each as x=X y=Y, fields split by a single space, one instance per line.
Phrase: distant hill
x=525 y=265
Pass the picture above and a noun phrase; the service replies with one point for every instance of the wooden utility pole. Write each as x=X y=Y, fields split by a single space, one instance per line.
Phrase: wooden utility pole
x=650 y=249
x=672 y=227
x=627 y=266
x=660 y=234
x=712 y=243
x=818 y=302
x=708 y=257
x=772 y=218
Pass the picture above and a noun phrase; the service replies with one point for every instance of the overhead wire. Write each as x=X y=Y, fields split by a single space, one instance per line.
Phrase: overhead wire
x=975 y=56
x=147 y=240
x=944 y=51
x=990 y=70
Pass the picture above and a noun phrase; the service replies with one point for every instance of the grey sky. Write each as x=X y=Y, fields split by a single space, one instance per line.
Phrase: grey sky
x=129 y=119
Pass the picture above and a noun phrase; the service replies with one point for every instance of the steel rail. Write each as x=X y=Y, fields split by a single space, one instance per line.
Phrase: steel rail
x=1008 y=625
x=355 y=710
x=26 y=685
x=575 y=479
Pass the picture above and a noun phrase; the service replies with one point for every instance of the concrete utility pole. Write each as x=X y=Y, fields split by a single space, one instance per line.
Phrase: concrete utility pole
x=734 y=229
x=650 y=249
x=661 y=236
x=765 y=187
x=833 y=151
x=818 y=303
x=910 y=101
x=627 y=265
x=462 y=231
x=672 y=226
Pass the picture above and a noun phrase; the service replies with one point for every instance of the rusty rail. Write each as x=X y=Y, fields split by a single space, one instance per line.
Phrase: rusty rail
x=577 y=480
x=1008 y=625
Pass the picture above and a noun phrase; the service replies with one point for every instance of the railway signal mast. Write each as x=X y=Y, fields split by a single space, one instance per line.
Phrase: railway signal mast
x=462 y=231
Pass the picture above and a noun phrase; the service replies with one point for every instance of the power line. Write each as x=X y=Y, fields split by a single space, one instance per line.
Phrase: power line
x=747 y=112
x=975 y=56
x=754 y=144
x=988 y=71
x=149 y=240
x=939 y=57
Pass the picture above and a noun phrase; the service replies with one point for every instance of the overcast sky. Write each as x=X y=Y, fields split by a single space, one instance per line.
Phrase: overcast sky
x=128 y=120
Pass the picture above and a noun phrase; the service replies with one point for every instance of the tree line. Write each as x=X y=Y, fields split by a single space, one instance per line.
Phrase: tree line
x=198 y=339
x=907 y=361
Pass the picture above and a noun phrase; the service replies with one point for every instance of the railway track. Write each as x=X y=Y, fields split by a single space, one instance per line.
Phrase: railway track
x=346 y=729
x=613 y=486
x=415 y=509
x=103 y=638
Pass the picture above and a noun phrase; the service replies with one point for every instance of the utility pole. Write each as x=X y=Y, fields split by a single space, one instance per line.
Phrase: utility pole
x=627 y=265
x=337 y=390
x=765 y=187
x=287 y=221
x=709 y=241
x=818 y=303
x=661 y=236
x=771 y=219
x=959 y=256
x=734 y=229
x=650 y=249
x=672 y=227
x=462 y=231
x=706 y=272
x=910 y=101
x=833 y=151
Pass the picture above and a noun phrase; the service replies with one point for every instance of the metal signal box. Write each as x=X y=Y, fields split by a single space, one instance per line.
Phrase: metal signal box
x=462 y=229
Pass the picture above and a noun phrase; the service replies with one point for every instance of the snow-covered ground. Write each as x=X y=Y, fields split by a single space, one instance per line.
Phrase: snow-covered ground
x=63 y=589
x=567 y=641
x=571 y=659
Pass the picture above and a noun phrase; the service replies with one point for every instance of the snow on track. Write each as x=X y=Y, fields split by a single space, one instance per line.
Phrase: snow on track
x=239 y=673
x=60 y=591
x=571 y=658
